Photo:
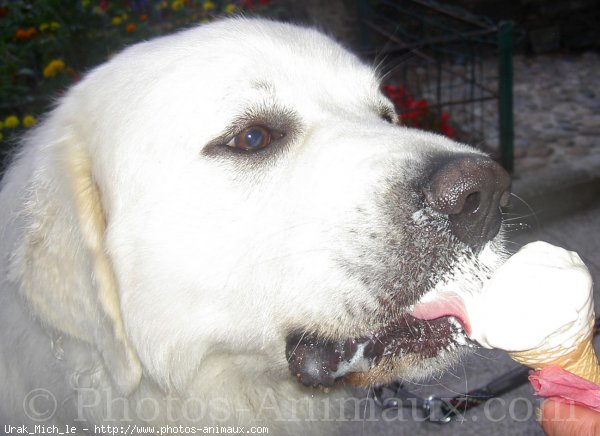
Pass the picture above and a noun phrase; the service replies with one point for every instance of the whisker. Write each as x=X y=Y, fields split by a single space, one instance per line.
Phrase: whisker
x=516 y=226
x=532 y=212
x=516 y=215
x=398 y=62
x=297 y=345
x=516 y=244
x=364 y=421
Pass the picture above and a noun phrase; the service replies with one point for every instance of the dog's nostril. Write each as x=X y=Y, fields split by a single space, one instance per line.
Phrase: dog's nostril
x=471 y=203
x=469 y=189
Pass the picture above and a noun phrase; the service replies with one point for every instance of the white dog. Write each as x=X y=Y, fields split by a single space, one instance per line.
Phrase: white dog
x=216 y=222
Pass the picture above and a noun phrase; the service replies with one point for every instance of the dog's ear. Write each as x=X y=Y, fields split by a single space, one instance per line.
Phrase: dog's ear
x=62 y=267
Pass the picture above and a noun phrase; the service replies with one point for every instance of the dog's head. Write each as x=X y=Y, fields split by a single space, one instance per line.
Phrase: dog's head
x=257 y=195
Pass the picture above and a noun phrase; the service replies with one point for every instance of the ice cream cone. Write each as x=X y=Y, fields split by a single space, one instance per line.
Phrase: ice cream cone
x=579 y=359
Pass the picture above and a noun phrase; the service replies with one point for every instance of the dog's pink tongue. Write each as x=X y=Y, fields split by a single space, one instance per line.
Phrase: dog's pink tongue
x=448 y=304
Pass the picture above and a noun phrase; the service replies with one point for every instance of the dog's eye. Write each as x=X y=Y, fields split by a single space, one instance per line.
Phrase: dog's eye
x=254 y=138
x=390 y=117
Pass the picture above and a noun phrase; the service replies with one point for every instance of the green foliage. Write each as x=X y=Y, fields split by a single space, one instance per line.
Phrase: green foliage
x=46 y=45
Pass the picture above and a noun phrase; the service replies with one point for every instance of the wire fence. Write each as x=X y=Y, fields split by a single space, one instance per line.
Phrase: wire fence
x=460 y=64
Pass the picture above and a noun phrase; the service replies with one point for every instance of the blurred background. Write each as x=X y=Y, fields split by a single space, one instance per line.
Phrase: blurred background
x=514 y=78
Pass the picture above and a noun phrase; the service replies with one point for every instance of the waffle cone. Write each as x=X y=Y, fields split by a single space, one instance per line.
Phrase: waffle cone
x=580 y=360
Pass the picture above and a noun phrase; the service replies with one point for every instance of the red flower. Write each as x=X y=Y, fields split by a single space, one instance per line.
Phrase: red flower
x=250 y=4
x=416 y=113
x=25 y=33
x=73 y=74
x=3 y=12
x=445 y=128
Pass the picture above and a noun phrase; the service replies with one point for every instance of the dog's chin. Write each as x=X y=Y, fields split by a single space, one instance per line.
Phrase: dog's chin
x=407 y=348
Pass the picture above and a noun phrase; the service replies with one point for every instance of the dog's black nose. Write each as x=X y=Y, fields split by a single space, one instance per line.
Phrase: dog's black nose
x=470 y=190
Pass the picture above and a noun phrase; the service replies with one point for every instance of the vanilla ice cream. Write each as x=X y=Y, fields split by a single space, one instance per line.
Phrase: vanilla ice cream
x=541 y=299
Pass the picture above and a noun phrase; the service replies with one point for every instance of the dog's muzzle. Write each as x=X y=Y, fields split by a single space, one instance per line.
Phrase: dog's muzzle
x=466 y=193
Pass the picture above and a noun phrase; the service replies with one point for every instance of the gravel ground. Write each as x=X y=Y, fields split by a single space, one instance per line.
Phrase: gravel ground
x=557 y=109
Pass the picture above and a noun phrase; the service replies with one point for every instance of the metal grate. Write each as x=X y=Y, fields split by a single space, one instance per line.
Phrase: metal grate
x=460 y=63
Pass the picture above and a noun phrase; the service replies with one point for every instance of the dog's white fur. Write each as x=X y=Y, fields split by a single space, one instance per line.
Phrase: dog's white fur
x=144 y=263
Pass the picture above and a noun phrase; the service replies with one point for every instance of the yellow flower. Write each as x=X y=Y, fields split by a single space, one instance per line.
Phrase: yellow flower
x=11 y=121
x=28 y=121
x=54 y=66
x=54 y=25
x=85 y=3
x=208 y=6
x=230 y=8
x=116 y=20
x=177 y=4
x=1 y=125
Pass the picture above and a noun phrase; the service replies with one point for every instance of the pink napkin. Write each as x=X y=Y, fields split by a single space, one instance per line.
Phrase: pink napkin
x=566 y=387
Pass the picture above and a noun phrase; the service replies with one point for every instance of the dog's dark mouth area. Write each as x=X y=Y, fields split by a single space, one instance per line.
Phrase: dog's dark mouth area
x=320 y=362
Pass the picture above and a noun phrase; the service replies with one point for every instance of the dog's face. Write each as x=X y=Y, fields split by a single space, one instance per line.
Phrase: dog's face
x=259 y=193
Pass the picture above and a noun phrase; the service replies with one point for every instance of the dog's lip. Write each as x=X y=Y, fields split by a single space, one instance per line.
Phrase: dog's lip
x=424 y=328
x=444 y=304
x=318 y=361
